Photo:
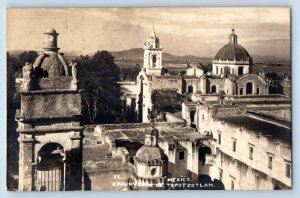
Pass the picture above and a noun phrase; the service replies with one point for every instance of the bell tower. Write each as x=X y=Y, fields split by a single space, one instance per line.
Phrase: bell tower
x=153 y=54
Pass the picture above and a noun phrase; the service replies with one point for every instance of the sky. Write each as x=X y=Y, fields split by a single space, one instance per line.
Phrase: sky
x=182 y=31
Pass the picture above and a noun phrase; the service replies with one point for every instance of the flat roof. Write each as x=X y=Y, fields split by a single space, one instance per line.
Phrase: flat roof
x=265 y=128
x=166 y=133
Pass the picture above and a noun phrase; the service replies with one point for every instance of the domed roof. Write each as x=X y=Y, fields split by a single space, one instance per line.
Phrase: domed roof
x=148 y=154
x=52 y=63
x=233 y=51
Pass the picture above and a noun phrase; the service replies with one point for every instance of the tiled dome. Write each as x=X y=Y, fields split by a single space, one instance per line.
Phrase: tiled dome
x=148 y=154
x=233 y=51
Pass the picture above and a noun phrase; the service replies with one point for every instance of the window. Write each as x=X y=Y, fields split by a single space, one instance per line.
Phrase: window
x=257 y=90
x=249 y=88
x=213 y=89
x=217 y=70
x=181 y=155
x=288 y=169
x=221 y=70
x=192 y=116
x=270 y=161
x=219 y=137
x=241 y=91
x=154 y=60
x=202 y=116
x=153 y=171
x=233 y=145
x=190 y=89
x=241 y=71
x=251 y=150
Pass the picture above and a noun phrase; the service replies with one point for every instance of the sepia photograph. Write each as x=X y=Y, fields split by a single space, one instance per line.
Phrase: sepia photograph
x=132 y=99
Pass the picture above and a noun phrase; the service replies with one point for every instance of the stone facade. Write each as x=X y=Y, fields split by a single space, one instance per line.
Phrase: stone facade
x=50 y=133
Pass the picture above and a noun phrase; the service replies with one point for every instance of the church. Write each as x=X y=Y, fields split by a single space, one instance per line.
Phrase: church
x=231 y=75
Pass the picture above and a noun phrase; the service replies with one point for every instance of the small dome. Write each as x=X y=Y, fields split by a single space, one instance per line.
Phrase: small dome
x=53 y=64
x=148 y=154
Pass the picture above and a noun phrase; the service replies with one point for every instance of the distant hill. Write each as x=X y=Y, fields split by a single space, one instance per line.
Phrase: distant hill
x=138 y=54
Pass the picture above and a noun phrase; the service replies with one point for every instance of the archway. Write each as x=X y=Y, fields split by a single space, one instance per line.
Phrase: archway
x=202 y=154
x=50 y=168
x=249 y=88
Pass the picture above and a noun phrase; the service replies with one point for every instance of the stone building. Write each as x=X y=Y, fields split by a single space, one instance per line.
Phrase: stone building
x=253 y=149
x=50 y=133
x=173 y=149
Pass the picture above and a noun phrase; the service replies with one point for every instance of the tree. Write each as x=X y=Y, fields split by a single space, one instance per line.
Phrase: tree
x=17 y=62
x=98 y=76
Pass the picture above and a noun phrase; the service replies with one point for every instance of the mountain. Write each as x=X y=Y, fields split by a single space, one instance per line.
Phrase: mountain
x=138 y=54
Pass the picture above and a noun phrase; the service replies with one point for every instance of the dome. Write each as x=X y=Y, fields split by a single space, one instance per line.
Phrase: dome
x=52 y=31
x=148 y=154
x=51 y=64
x=233 y=51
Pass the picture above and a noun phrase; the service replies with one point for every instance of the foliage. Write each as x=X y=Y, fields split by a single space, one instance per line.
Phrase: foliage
x=98 y=76
x=18 y=61
x=130 y=74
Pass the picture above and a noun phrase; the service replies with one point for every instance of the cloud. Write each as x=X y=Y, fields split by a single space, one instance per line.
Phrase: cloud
x=197 y=31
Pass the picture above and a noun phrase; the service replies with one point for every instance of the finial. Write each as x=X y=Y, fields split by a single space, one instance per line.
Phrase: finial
x=233 y=28
x=153 y=26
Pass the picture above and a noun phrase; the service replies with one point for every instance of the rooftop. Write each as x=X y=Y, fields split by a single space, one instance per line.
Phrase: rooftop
x=166 y=133
x=260 y=126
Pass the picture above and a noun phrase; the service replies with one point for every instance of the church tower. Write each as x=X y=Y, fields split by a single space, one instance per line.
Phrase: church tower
x=153 y=54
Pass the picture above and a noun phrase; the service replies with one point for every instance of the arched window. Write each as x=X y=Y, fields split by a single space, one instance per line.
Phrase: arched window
x=217 y=70
x=249 y=88
x=154 y=60
x=213 y=89
x=257 y=90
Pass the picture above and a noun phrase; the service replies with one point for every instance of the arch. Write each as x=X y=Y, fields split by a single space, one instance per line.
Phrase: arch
x=202 y=153
x=50 y=167
x=154 y=59
x=213 y=89
x=249 y=88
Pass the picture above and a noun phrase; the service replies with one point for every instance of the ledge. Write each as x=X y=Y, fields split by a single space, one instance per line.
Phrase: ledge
x=51 y=91
x=50 y=129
